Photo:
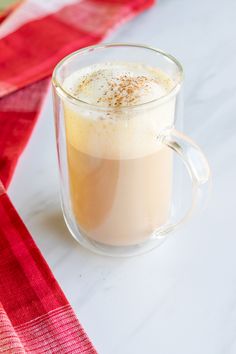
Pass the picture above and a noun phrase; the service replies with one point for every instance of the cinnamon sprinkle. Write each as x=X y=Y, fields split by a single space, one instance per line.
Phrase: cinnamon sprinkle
x=121 y=90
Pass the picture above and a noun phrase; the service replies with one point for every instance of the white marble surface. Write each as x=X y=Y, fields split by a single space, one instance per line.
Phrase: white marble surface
x=181 y=298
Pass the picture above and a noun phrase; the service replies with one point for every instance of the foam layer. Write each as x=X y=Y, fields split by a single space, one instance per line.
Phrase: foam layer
x=117 y=133
x=118 y=84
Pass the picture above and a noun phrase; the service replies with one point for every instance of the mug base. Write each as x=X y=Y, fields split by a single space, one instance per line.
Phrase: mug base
x=155 y=240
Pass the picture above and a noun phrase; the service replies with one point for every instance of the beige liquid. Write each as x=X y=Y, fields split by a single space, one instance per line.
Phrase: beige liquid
x=120 y=178
x=120 y=202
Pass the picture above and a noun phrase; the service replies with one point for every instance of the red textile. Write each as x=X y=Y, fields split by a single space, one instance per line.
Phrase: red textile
x=18 y=115
x=35 y=316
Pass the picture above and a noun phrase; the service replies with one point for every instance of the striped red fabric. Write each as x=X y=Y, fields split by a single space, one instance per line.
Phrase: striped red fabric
x=35 y=316
x=18 y=114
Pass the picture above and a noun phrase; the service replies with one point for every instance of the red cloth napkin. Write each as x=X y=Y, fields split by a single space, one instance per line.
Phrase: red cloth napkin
x=18 y=115
x=35 y=316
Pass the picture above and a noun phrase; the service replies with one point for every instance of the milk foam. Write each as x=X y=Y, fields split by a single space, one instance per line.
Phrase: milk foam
x=117 y=134
x=117 y=84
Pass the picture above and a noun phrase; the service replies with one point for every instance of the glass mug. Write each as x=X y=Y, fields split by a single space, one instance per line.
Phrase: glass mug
x=117 y=171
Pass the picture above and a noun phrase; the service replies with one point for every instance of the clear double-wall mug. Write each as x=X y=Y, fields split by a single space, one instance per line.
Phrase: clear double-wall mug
x=122 y=191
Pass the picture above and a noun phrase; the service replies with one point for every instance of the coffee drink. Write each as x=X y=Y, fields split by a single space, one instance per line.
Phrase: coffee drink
x=120 y=176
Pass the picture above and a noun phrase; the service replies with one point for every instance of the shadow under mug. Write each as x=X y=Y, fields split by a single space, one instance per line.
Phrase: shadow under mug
x=116 y=164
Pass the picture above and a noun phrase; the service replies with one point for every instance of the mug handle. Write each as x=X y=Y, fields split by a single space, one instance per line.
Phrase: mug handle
x=197 y=166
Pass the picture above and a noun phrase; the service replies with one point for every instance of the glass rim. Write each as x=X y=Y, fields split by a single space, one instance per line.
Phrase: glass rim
x=75 y=100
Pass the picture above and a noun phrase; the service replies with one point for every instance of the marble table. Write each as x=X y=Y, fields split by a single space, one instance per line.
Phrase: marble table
x=180 y=298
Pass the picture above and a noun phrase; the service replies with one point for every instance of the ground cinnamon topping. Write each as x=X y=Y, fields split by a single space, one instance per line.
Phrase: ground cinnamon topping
x=110 y=88
x=124 y=91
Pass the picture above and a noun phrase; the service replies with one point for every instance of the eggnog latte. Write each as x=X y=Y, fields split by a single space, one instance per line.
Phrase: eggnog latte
x=120 y=177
